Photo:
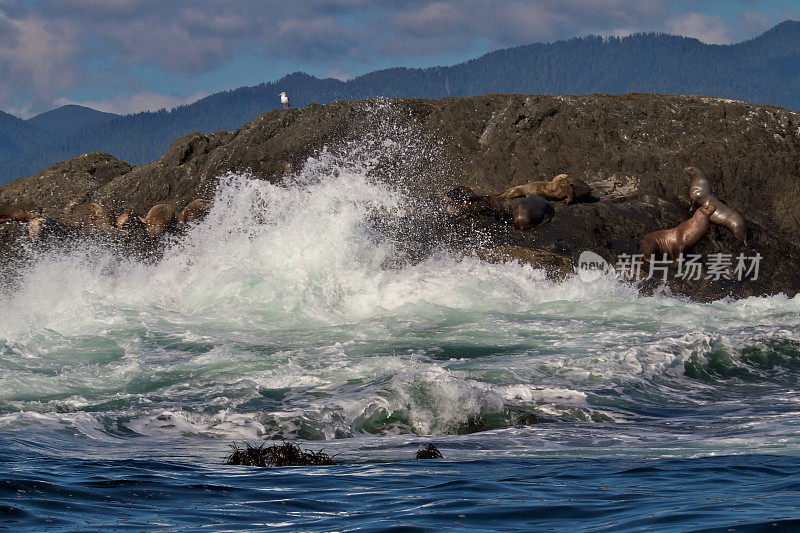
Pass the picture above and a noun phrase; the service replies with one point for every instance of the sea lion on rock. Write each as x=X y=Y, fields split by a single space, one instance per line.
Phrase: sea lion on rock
x=462 y=202
x=557 y=189
x=681 y=238
x=128 y=222
x=196 y=210
x=580 y=189
x=159 y=218
x=455 y=201
x=43 y=228
x=461 y=195
x=700 y=195
x=523 y=212
x=100 y=217
x=529 y=211
x=12 y=213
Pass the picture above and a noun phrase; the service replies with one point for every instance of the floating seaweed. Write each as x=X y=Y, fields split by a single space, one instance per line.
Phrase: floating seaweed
x=429 y=452
x=286 y=454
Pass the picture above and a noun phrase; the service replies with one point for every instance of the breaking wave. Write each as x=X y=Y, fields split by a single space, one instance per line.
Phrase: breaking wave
x=295 y=311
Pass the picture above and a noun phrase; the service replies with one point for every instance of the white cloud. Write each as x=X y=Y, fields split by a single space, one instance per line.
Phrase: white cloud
x=705 y=28
x=753 y=22
x=49 y=46
x=36 y=57
x=338 y=75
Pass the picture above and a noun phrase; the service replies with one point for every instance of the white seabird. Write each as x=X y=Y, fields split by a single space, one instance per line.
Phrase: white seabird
x=285 y=100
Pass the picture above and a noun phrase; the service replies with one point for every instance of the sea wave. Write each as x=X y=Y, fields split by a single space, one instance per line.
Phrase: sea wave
x=295 y=310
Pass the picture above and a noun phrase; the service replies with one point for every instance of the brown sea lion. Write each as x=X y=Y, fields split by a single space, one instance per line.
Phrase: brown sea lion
x=462 y=201
x=12 y=213
x=524 y=212
x=580 y=189
x=43 y=228
x=557 y=189
x=461 y=195
x=159 y=218
x=101 y=218
x=195 y=210
x=677 y=240
x=529 y=211
x=129 y=222
x=465 y=202
x=700 y=195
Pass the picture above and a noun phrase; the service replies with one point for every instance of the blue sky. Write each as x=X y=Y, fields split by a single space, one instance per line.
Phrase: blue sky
x=131 y=55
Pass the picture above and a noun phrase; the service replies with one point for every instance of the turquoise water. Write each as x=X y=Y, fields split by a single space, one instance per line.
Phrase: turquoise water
x=557 y=405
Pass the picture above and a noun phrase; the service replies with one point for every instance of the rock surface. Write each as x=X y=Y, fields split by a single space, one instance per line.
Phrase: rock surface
x=631 y=149
x=61 y=191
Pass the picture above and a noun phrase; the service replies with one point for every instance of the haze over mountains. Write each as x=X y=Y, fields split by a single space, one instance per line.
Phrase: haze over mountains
x=763 y=70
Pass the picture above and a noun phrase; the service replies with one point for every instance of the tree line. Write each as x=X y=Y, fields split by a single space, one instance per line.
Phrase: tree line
x=764 y=70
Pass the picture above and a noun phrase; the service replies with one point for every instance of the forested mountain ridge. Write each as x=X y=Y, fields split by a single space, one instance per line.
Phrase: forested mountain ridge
x=763 y=70
x=69 y=118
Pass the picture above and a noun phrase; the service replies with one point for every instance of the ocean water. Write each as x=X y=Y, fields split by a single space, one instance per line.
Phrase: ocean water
x=296 y=312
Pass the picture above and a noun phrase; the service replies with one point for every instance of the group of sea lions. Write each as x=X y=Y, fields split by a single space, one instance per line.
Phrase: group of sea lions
x=524 y=205
x=527 y=206
x=102 y=219
x=682 y=238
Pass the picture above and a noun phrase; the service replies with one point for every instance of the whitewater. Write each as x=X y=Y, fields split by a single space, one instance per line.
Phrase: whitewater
x=295 y=311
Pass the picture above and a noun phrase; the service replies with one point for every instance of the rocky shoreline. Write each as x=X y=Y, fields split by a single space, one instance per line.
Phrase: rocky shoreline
x=630 y=149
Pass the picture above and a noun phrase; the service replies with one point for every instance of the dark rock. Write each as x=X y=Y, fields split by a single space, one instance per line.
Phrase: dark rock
x=61 y=191
x=80 y=175
x=630 y=150
x=626 y=246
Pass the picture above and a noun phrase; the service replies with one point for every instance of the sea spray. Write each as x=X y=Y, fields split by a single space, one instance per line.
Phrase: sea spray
x=295 y=309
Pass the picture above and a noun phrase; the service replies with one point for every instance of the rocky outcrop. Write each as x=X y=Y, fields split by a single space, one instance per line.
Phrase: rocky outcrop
x=631 y=149
x=62 y=190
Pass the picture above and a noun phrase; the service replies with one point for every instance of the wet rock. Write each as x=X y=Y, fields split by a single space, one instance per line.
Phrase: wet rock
x=630 y=150
x=61 y=191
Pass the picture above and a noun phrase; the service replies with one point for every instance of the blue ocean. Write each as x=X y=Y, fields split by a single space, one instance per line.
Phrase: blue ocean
x=288 y=314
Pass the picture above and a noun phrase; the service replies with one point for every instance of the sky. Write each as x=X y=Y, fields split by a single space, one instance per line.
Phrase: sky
x=124 y=56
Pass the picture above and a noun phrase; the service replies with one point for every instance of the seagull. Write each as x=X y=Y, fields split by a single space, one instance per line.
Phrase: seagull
x=285 y=100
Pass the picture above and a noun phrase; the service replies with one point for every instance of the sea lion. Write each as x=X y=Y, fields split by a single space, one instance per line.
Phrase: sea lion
x=100 y=217
x=681 y=238
x=195 y=210
x=158 y=219
x=529 y=211
x=557 y=189
x=479 y=205
x=128 y=222
x=42 y=228
x=524 y=212
x=700 y=195
x=12 y=213
x=461 y=195
x=462 y=201
x=580 y=189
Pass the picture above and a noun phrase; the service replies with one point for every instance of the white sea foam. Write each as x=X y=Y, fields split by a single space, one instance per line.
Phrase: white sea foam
x=288 y=312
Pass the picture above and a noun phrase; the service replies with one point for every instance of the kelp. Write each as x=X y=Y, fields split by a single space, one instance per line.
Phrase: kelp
x=277 y=455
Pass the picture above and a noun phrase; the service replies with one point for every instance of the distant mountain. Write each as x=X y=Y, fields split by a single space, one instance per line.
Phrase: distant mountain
x=69 y=118
x=15 y=134
x=763 y=70
x=10 y=121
